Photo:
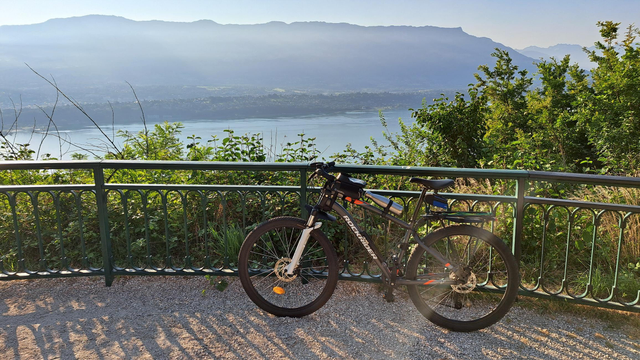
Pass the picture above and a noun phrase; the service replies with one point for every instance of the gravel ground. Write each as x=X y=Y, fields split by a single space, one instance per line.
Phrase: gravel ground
x=169 y=318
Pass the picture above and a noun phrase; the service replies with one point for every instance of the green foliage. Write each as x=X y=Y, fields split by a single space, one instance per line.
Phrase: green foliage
x=612 y=116
x=558 y=140
x=504 y=89
x=238 y=148
x=11 y=151
x=160 y=144
x=455 y=130
x=303 y=150
x=227 y=242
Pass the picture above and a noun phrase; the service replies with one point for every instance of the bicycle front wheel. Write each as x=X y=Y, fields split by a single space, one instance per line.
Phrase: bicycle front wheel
x=266 y=252
x=479 y=293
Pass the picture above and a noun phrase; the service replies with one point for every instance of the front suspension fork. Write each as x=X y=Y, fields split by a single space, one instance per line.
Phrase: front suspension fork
x=302 y=243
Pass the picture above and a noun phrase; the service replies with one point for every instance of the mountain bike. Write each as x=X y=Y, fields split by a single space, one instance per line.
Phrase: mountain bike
x=460 y=276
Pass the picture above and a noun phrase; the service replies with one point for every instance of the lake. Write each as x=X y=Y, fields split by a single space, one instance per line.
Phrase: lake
x=332 y=132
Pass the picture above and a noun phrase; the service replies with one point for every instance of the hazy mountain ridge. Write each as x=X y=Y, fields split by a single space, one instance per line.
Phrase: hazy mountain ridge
x=96 y=49
x=576 y=53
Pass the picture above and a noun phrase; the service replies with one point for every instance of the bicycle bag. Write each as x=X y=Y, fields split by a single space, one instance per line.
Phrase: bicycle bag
x=348 y=186
x=439 y=201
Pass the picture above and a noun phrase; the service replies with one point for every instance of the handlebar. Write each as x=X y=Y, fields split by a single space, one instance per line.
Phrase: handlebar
x=322 y=169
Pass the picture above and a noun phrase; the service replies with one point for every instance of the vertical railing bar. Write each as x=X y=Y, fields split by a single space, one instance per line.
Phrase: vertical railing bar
x=303 y=192
x=263 y=204
x=36 y=214
x=83 y=245
x=165 y=212
x=147 y=236
x=56 y=201
x=545 y=224
x=223 y=201
x=124 y=200
x=101 y=198
x=243 y=196
x=283 y=203
x=519 y=218
x=596 y=224
x=207 y=252
x=16 y=227
x=622 y=223
x=571 y=216
x=494 y=211
x=187 y=256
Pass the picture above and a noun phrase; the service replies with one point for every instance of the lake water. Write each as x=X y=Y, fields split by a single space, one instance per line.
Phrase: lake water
x=332 y=132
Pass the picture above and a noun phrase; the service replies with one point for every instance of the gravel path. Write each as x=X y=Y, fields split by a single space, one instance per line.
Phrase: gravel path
x=170 y=318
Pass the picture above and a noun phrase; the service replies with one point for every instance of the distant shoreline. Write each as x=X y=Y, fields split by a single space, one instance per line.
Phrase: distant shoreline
x=271 y=106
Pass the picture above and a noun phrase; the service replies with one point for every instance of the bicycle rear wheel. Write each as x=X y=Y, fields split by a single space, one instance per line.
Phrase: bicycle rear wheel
x=483 y=288
x=265 y=253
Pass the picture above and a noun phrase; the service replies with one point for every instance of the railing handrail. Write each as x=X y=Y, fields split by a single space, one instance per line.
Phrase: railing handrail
x=606 y=180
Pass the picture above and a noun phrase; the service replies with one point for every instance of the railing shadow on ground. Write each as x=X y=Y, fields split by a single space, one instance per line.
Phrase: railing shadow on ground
x=169 y=317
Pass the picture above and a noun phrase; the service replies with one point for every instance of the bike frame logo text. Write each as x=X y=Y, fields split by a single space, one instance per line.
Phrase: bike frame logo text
x=360 y=237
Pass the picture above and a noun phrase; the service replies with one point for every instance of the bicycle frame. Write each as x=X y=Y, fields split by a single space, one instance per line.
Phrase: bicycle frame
x=369 y=245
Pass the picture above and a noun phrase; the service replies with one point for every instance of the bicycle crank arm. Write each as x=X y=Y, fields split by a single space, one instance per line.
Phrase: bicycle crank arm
x=302 y=242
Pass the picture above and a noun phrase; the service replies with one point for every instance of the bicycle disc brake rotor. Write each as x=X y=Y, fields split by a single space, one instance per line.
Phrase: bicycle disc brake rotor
x=467 y=287
x=281 y=271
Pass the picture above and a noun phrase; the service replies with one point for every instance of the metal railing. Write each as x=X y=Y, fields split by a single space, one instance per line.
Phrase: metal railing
x=583 y=251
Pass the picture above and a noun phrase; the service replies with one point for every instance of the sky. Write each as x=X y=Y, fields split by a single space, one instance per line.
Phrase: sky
x=514 y=23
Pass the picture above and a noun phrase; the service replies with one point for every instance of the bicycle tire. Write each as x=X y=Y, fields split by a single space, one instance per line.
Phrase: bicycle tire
x=482 y=296
x=265 y=252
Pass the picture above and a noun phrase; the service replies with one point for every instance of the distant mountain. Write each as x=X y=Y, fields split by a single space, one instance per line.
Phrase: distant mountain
x=96 y=51
x=576 y=53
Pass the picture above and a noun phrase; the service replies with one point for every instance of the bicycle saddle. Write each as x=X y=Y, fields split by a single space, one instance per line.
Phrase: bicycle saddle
x=432 y=184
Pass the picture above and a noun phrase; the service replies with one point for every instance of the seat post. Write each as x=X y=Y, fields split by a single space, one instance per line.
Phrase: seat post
x=416 y=212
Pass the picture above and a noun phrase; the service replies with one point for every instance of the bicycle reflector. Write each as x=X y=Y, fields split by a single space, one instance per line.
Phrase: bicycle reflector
x=278 y=290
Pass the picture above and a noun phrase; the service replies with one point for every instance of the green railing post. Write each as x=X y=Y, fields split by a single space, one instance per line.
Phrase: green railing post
x=103 y=221
x=303 y=192
x=518 y=224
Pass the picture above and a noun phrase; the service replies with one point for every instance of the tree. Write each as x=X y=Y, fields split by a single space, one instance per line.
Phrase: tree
x=559 y=141
x=504 y=88
x=612 y=112
x=456 y=129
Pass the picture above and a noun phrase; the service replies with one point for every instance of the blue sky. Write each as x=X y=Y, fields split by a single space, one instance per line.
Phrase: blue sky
x=515 y=23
